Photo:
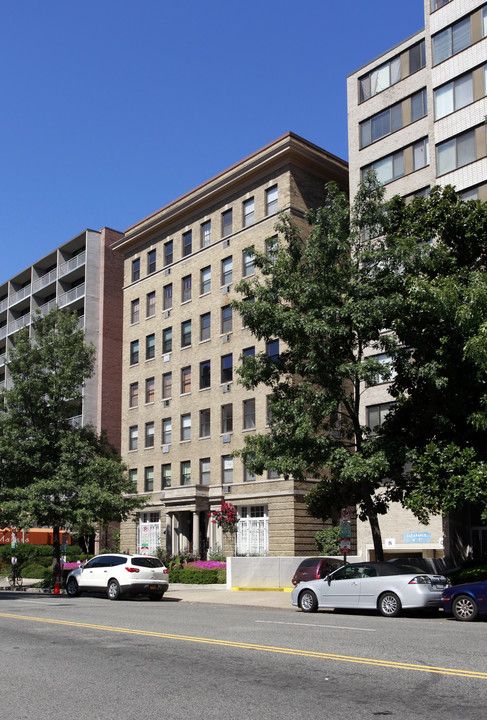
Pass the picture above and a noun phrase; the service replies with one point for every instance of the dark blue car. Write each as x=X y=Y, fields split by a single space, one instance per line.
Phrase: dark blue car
x=466 y=601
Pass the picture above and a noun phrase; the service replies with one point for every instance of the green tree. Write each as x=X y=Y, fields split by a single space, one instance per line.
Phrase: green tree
x=53 y=473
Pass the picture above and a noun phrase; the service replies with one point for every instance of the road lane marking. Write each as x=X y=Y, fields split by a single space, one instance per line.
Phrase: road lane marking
x=263 y=648
x=315 y=625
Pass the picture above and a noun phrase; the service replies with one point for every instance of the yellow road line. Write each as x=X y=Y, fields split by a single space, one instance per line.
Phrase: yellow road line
x=265 y=648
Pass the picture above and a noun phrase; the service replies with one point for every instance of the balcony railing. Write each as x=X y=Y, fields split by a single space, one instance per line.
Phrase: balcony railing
x=43 y=309
x=71 y=295
x=3 y=332
x=4 y=304
x=75 y=262
x=76 y=421
x=19 y=295
x=3 y=359
x=46 y=279
x=19 y=323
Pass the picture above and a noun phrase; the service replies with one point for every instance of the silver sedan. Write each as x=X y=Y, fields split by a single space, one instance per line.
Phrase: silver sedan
x=381 y=586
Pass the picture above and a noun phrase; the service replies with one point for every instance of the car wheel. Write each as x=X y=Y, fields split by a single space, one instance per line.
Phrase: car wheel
x=389 y=605
x=113 y=590
x=465 y=608
x=308 y=601
x=156 y=596
x=72 y=588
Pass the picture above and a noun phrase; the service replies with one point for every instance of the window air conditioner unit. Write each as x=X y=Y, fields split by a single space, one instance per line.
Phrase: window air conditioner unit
x=225 y=338
x=165 y=448
x=226 y=388
x=167 y=313
x=226 y=438
x=166 y=403
x=167 y=271
x=226 y=243
x=225 y=289
x=226 y=488
x=166 y=358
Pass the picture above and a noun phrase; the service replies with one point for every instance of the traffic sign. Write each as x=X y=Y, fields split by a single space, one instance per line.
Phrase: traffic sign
x=345 y=545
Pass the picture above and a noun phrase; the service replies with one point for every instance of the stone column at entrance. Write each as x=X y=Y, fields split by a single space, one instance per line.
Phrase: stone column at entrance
x=169 y=545
x=196 y=532
x=174 y=533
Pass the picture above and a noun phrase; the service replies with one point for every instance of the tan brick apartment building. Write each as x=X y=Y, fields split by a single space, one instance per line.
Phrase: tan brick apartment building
x=183 y=411
x=416 y=115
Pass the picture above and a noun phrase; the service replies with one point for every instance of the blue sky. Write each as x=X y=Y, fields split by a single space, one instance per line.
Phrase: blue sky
x=113 y=108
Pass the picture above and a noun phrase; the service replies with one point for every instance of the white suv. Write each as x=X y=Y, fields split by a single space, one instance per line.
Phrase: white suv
x=120 y=574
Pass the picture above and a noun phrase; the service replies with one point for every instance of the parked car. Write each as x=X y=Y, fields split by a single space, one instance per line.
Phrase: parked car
x=120 y=574
x=314 y=568
x=465 y=602
x=381 y=586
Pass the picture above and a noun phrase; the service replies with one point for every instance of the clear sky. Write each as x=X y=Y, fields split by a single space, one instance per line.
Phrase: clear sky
x=112 y=108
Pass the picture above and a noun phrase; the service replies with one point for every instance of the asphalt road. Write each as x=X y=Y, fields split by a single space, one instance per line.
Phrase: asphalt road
x=92 y=658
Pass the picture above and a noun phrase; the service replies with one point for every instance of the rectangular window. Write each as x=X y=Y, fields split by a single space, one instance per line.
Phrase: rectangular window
x=186 y=426
x=205 y=423
x=135 y=269
x=227 y=223
x=186 y=288
x=227 y=368
x=453 y=96
x=149 y=435
x=167 y=340
x=380 y=79
x=187 y=243
x=205 y=326
x=248 y=212
x=151 y=262
x=167 y=385
x=205 y=471
x=272 y=474
x=133 y=477
x=134 y=394
x=206 y=234
x=205 y=280
x=150 y=387
x=227 y=270
x=271 y=198
x=165 y=476
x=417 y=57
x=389 y=168
x=456 y=153
x=134 y=352
x=248 y=352
x=376 y=414
x=167 y=297
x=272 y=349
x=419 y=106
x=227 y=418
x=134 y=311
x=186 y=472
x=186 y=333
x=168 y=252
x=205 y=374
x=150 y=346
x=248 y=263
x=166 y=431
x=227 y=319
x=451 y=40
x=420 y=154
x=271 y=248
x=249 y=414
x=227 y=469
x=150 y=308
x=436 y=4
x=149 y=479
x=248 y=475
x=186 y=379
x=133 y=437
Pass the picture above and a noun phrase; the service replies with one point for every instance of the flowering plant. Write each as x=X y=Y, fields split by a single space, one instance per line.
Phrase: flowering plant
x=226 y=517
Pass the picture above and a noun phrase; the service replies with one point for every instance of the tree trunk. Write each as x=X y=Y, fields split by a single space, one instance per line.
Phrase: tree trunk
x=374 y=526
x=56 y=552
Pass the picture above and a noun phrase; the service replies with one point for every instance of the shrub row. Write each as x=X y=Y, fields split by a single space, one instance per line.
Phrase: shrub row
x=197 y=576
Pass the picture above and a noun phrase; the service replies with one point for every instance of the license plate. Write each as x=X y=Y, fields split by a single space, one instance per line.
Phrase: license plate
x=152 y=587
x=440 y=586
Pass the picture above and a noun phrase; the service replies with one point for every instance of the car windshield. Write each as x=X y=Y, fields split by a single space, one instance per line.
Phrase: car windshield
x=149 y=562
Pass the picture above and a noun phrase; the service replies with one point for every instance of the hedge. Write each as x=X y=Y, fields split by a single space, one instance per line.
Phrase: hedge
x=197 y=576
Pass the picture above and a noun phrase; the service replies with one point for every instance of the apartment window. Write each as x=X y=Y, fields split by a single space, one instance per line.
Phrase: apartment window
x=272 y=474
x=150 y=308
x=167 y=340
x=165 y=476
x=134 y=352
x=272 y=349
x=186 y=333
x=205 y=326
x=456 y=153
x=186 y=379
x=417 y=57
x=227 y=418
x=133 y=477
x=134 y=311
x=419 y=107
x=436 y=4
x=166 y=431
x=271 y=198
x=151 y=262
x=150 y=346
x=133 y=437
x=271 y=248
x=227 y=368
x=205 y=422
x=187 y=243
x=227 y=319
x=451 y=41
x=248 y=212
x=227 y=223
x=149 y=434
x=389 y=372
x=186 y=288
x=376 y=414
x=453 y=96
x=167 y=385
x=380 y=79
x=380 y=125
x=205 y=374
x=168 y=252
x=206 y=234
x=149 y=479
x=248 y=263
x=248 y=475
x=420 y=154
x=227 y=270
x=186 y=472
x=186 y=426
x=150 y=386
x=205 y=471
x=134 y=394
x=167 y=297
x=389 y=168
x=135 y=269
x=248 y=352
x=227 y=469
x=249 y=414
x=205 y=280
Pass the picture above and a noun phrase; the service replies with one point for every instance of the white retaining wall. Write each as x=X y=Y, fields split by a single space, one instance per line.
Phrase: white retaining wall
x=265 y=573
